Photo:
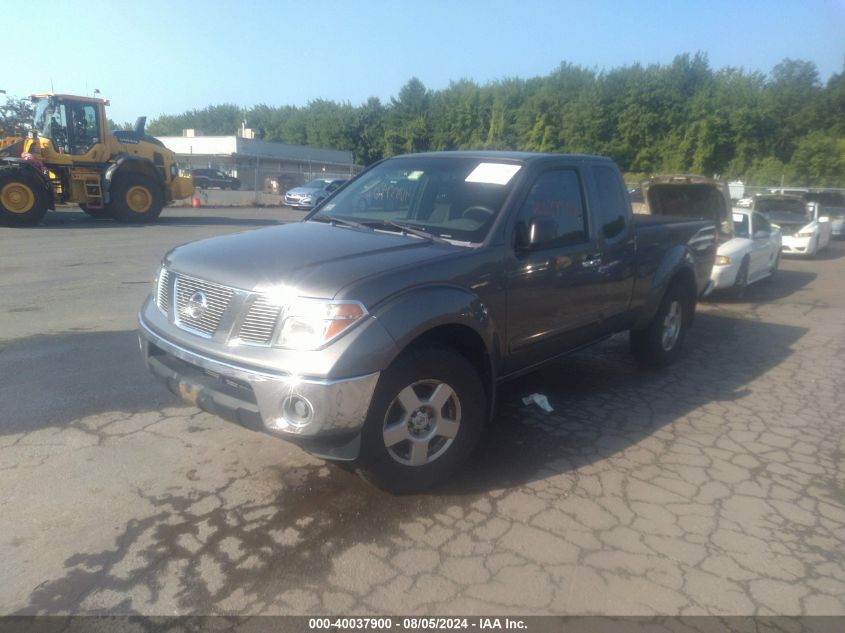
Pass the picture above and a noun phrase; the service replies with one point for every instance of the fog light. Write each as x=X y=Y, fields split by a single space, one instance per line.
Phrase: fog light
x=298 y=411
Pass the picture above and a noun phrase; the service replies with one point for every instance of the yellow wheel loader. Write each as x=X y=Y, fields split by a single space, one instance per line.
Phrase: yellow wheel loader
x=69 y=156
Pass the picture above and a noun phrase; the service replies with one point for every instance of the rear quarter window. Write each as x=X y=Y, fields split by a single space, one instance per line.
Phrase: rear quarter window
x=612 y=202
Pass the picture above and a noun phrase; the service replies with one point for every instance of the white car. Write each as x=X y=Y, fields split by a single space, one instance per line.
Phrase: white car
x=805 y=230
x=752 y=254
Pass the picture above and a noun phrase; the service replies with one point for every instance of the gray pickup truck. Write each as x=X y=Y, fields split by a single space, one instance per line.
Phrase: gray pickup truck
x=376 y=330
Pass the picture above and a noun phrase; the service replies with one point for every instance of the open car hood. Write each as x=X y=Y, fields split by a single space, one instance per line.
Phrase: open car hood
x=689 y=196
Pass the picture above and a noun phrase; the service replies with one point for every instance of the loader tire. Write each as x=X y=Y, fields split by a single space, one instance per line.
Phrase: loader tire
x=135 y=198
x=23 y=200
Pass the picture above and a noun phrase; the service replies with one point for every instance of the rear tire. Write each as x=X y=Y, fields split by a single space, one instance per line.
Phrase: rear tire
x=135 y=198
x=427 y=413
x=660 y=344
x=23 y=200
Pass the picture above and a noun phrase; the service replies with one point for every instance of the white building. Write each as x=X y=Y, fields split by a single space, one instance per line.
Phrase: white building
x=255 y=161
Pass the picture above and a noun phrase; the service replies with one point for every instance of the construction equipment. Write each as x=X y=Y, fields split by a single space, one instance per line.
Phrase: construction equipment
x=69 y=156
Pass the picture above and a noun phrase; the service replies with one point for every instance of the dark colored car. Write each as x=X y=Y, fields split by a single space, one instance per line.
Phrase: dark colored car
x=376 y=330
x=214 y=178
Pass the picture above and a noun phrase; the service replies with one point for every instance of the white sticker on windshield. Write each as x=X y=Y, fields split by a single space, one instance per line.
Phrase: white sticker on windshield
x=738 y=217
x=329 y=206
x=493 y=173
x=415 y=175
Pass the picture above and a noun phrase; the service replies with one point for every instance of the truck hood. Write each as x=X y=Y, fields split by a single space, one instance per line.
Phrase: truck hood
x=312 y=259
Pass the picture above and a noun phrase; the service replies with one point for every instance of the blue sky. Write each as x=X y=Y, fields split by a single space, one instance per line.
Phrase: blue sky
x=154 y=57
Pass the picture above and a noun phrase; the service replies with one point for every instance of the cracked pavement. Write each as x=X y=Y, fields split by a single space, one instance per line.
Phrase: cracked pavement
x=714 y=487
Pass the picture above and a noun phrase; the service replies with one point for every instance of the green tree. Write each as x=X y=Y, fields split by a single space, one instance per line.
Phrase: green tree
x=678 y=117
x=16 y=116
x=819 y=159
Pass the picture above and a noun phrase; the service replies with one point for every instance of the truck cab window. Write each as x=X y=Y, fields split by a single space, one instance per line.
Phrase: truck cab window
x=556 y=195
x=82 y=128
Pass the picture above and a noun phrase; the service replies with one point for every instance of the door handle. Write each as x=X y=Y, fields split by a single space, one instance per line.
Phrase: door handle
x=591 y=261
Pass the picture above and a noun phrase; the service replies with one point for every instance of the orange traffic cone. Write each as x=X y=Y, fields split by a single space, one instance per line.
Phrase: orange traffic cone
x=195 y=202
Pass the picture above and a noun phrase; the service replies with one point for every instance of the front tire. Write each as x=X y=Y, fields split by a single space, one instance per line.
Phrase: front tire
x=427 y=413
x=23 y=201
x=660 y=344
x=135 y=198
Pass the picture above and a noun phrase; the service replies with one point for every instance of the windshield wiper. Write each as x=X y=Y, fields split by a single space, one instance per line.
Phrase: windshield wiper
x=413 y=230
x=335 y=220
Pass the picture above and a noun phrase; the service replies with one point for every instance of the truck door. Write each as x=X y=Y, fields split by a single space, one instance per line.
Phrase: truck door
x=611 y=209
x=763 y=246
x=551 y=285
x=84 y=138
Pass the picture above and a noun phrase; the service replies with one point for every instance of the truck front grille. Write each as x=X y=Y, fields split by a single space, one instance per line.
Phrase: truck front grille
x=200 y=304
x=260 y=322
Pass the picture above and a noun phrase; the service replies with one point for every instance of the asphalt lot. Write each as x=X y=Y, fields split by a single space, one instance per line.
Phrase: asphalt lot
x=715 y=487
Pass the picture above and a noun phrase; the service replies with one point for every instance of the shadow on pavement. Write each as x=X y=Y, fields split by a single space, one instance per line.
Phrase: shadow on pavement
x=49 y=381
x=604 y=401
x=220 y=545
x=835 y=250
x=785 y=283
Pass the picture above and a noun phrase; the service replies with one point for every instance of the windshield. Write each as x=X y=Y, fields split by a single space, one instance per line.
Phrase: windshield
x=453 y=198
x=783 y=209
x=740 y=225
x=315 y=184
x=46 y=118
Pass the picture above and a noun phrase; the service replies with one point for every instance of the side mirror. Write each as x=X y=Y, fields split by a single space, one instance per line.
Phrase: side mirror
x=540 y=231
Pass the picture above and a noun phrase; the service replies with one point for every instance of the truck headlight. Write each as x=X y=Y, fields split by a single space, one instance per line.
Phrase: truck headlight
x=723 y=260
x=311 y=323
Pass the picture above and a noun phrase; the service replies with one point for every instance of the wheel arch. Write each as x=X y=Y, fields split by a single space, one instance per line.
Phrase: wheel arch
x=674 y=271
x=469 y=344
x=133 y=164
x=450 y=317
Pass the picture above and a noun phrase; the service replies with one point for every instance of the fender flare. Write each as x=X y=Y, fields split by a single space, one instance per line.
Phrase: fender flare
x=419 y=311
x=109 y=174
x=678 y=261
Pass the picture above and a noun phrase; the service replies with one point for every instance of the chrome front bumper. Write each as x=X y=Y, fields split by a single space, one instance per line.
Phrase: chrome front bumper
x=283 y=403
